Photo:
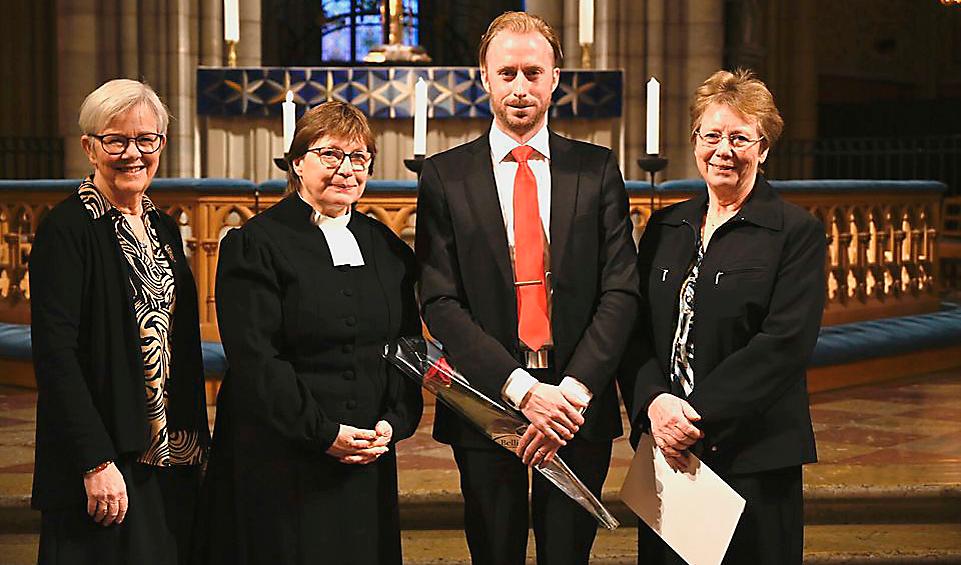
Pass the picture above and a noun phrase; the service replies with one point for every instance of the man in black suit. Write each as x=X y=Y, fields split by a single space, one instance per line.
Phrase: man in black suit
x=528 y=279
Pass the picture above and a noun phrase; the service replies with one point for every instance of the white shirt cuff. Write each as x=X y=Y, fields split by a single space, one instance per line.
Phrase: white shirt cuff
x=516 y=387
x=575 y=388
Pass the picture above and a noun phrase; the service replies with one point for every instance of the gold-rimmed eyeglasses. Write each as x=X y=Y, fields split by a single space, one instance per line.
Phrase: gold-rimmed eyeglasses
x=735 y=140
x=333 y=157
x=116 y=144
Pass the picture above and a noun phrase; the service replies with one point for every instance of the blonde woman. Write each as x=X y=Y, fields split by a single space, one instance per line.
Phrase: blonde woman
x=121 y=417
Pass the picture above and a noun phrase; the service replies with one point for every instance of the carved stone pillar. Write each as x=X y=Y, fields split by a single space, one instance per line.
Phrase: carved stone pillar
x=681 y=46
x=553 y=13
x=248 y=50
x=159 y=41
x=776 y=39
x=77 y=63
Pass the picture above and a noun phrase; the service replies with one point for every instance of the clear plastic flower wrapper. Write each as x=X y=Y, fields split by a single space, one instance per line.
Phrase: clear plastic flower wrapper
x=424 y=361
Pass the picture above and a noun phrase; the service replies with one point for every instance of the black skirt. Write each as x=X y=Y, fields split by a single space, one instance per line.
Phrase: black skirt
x=156 y=531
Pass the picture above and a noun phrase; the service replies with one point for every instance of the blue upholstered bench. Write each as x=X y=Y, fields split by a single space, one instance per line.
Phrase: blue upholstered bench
x=15 y=345
x=837 y=345
x=858 y=341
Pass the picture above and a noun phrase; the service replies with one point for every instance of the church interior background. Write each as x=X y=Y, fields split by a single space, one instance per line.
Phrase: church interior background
x=870 y=91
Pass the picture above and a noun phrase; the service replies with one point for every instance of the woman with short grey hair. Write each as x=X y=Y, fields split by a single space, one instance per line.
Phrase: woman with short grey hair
x=121 y=415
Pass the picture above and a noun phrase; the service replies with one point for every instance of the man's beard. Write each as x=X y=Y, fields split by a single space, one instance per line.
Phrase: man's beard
x=519 y=125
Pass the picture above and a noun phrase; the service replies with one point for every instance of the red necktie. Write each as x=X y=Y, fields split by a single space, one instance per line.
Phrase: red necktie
x=533 y=325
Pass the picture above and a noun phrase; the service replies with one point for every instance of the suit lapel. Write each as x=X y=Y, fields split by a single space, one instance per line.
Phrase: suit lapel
x=481 y=192
x=565 y=166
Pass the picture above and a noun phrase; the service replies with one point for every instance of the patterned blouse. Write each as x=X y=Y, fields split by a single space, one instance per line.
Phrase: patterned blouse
x=153 y=296
x=682 y=362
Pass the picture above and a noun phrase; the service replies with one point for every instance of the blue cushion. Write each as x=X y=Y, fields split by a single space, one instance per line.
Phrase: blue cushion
x=15 y=343
x=215 y=361
x=637 y=186
x=842 y=343
x=846 y=343
x=823 y=185
x=40 y=185
x=277 y=186
x=205 y=185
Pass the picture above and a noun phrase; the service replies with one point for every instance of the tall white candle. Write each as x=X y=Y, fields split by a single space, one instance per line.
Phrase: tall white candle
x=420 y=117
x=585 y=28
x=232 y=20
x=290 y=120
x=653 y=116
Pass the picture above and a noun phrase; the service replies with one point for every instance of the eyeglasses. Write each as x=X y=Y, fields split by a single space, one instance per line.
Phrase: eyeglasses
x=116 y=144
x=735 y=140
x=333 y=157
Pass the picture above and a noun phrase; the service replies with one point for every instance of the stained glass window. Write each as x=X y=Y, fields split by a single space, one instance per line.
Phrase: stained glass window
x=351 y=28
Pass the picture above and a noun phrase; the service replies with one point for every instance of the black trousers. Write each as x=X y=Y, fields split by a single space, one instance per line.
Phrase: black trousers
x=495 y=482
x=771 y=530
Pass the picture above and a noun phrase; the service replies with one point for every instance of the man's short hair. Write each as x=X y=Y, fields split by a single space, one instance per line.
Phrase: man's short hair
x=520 y=22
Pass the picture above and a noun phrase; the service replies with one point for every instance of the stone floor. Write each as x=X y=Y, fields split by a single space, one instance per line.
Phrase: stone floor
x=889 y=434
x=877 y=443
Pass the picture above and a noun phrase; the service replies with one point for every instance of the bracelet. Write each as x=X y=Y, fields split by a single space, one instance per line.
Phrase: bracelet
x=98 y=468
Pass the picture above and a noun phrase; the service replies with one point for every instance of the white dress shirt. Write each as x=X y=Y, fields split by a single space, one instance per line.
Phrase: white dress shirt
x=340 y=240
x=519 y=382
x=505 y=169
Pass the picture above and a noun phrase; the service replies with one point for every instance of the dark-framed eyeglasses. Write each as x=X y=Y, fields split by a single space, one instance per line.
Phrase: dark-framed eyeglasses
x=333 y=157
x=116 y=144
x=735 y=140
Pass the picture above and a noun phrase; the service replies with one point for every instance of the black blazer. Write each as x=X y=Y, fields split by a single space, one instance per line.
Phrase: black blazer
x=91 y=403
x=467 y=295
x=757 y=311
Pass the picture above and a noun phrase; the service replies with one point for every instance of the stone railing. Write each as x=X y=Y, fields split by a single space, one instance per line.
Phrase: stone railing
x=882 y=258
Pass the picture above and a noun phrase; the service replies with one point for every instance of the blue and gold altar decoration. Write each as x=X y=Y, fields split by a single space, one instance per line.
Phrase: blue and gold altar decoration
x=388 y=92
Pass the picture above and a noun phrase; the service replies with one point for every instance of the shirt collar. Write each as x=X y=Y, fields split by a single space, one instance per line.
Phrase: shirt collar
x=97 y=204
x=762 y=207
x=502 y=144
x=322 y=220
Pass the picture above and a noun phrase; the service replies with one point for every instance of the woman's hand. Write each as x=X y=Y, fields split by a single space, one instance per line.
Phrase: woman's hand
x=384 y=433
x=673 y=429
x=106 y=495
x=359 y=446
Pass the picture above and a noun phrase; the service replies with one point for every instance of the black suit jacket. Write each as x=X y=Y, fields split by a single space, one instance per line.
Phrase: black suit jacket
x=467 y=295
x=757 y=311
x=91 y=403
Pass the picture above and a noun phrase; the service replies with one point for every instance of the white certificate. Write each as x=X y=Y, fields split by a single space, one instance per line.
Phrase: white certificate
x=695 y=512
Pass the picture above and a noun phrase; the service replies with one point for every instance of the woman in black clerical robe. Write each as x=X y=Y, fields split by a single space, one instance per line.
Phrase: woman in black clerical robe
x=302 y=467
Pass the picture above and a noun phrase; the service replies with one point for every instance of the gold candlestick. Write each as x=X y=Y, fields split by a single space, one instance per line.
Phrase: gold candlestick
x=395 y=51
x=231 y=53
x=586 y=62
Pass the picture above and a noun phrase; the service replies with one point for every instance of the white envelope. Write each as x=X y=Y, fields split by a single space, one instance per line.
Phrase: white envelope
x=694 y=512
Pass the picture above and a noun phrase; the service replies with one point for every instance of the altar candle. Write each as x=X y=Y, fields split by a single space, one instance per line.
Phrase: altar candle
x=585 y=30
x=290 y=120
x=653 y=116
x=231 y=20
x=420 y=117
